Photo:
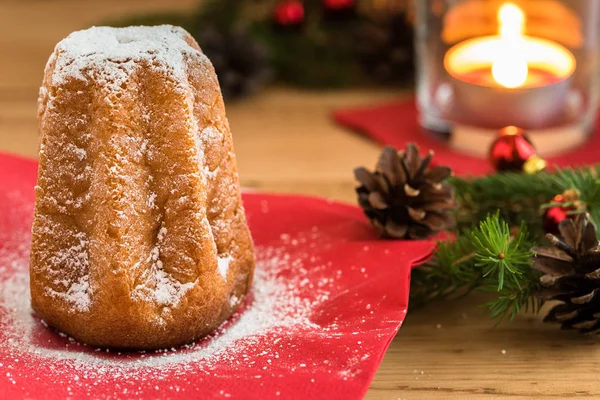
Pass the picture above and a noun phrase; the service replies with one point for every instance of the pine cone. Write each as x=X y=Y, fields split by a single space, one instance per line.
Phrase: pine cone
x=405 y=198
x=384 y=48
x=240 y=62
x=572 y=275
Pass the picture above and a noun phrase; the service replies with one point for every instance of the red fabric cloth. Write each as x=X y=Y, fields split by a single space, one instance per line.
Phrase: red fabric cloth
x=396 y=124
x=367 y=280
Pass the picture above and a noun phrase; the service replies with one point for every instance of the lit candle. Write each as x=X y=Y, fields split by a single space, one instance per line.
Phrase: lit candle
x=510 y=78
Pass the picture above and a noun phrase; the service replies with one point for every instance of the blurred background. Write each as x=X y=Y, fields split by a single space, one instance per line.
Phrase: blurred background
x=283 y=67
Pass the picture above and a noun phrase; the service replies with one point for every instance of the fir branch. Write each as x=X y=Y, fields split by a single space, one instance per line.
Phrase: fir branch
x=448 y=272
x=497 y=254
x=487 y=259
x=519 y=292
x=516 y=297
x=516 y=196
x=521 y=197
x=586 y=181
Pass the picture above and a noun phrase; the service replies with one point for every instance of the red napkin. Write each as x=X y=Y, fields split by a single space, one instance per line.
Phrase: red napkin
x=396 y=124
x=317 y=258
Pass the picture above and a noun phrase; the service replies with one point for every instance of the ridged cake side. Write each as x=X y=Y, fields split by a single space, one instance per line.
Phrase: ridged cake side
x=139 y=237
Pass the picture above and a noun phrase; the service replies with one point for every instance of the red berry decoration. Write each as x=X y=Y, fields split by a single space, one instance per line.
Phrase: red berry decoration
x=561 y=208
x=513 y=151
x=289 y=14
x=338 y=5
x=555 y=215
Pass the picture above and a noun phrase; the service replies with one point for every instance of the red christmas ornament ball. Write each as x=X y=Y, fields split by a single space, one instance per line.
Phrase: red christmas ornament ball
x=553 y=217
x=512 y=150
x=289 y=13
x=338 y=5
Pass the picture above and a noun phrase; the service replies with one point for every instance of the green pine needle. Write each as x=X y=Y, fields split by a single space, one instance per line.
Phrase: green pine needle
x=446 y=274
x=587 y=182
x=498 y=255
x=522 y=198
x=487 y=259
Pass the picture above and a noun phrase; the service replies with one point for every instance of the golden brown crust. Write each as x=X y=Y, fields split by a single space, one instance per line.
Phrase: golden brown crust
x=138 y=212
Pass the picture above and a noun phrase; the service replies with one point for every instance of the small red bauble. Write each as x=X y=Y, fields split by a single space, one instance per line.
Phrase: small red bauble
x=513 y=151
x=338 y=5
x=289 y=13
x=553 y=216
x=565 y=203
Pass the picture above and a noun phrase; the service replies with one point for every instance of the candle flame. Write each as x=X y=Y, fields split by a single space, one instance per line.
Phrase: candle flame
x=511 y=21
x=510 y=68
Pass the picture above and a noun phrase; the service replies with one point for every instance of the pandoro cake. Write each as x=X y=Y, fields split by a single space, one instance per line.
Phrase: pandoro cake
x=140 y=239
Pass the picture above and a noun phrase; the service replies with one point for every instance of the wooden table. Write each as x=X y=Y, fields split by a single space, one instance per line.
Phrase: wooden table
x=286 y=142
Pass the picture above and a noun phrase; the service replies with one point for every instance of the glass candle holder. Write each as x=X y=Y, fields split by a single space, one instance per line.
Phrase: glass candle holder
x=483 y=65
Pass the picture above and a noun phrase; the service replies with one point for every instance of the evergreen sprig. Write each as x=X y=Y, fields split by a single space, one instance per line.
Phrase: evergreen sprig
x=449 y=272
x=492 y=257
x=499 y=256
x=521 y=197
x=486 y=258
x=509 y=274
x=516 y=196
x=586 y=182
x=516 y=296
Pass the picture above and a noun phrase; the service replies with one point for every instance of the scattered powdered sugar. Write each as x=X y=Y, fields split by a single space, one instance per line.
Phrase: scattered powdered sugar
x=168 y=291
x=272 y=308
x=161 y=287
x=151 y=199
x=75 y=258
x=79 y=293
x=287 y=309
x=223 y=265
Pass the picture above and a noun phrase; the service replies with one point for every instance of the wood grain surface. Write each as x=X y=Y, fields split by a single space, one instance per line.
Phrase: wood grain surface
x=286 y=142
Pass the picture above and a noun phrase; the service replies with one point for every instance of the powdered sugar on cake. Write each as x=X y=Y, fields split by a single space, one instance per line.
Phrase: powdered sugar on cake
x=78 y=294
x=223 y=265
x=115 y=53
x=75 y=258
x=167 y=291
